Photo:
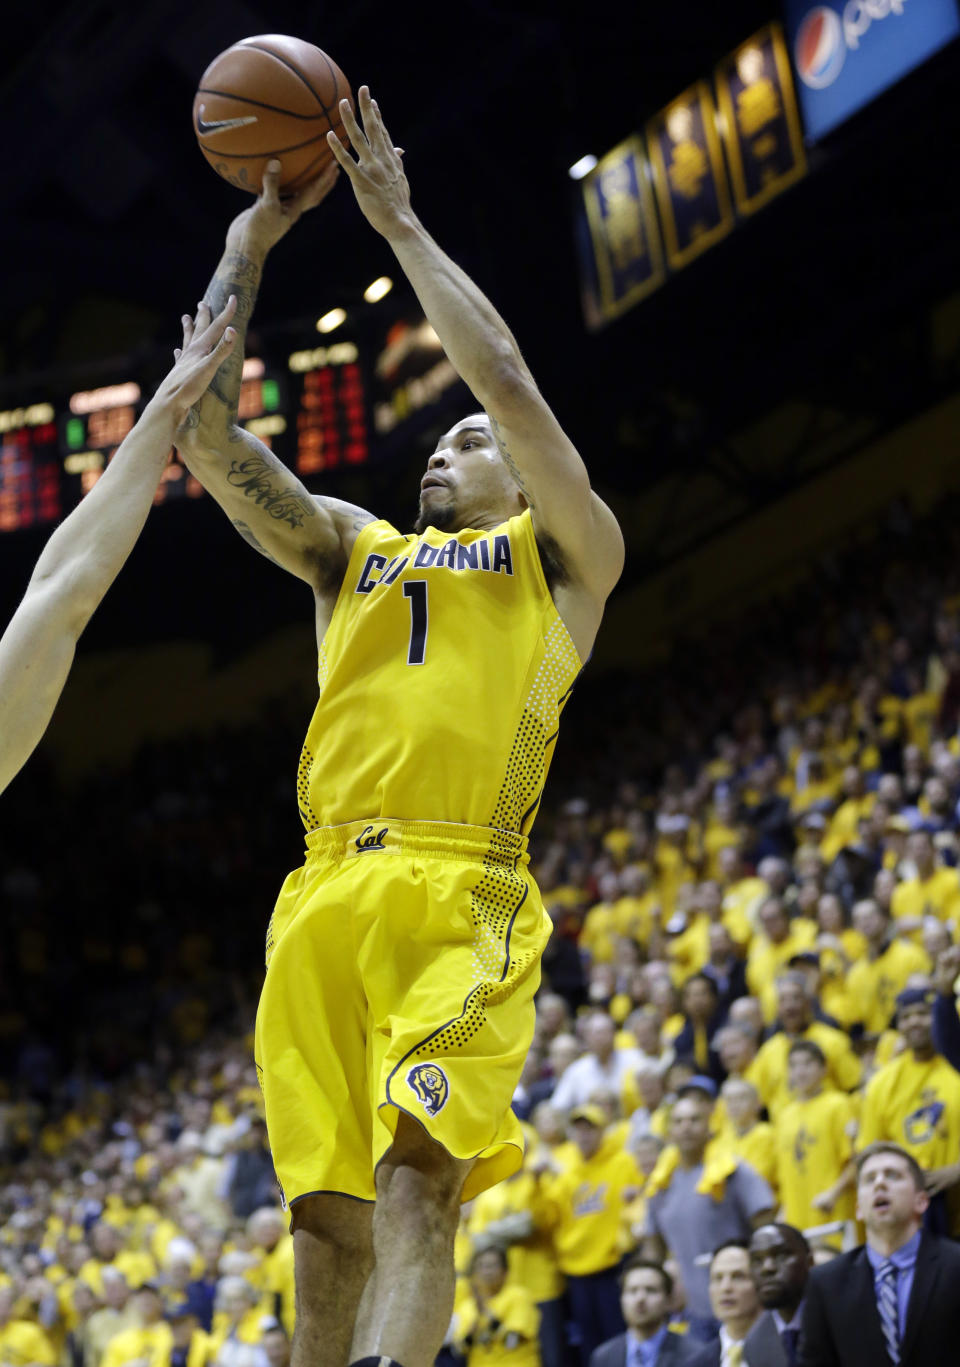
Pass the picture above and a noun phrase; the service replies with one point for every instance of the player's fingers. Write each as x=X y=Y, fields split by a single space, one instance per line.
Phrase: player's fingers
x=343 y=157
x=202 y=319
x=372 y=122
x=215 y=328
x=270 y=191
x=383 y=135
x=355 y=133
x=311 y=195
x=207 y=366
x=177 y=353
x=186 y=322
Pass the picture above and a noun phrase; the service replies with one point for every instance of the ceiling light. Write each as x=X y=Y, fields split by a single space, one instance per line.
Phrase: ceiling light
x=378 y=289
x=582 y=167
x=331 y=320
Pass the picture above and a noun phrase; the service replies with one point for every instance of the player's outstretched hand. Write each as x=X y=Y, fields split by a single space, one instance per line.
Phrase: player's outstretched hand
x=206 y=345
x=271 y=217
x=377 y=175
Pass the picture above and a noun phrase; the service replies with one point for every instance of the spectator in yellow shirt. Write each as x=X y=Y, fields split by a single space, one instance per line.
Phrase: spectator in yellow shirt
x=116 y=1314
x=844 y=823
x=496 y=1324
x=875 y=980
x=268 y=1231
x=22 y=1343
x=814 y=1134
x=598 y=936
x=150 y=1341
x=796 y=1018
x=583 y=1206
x=511 y=1215
x=914 y=1101
x=637 y=909
x=109 y=1251
x=772 y=949
x=934 y=891
x=745 y=1134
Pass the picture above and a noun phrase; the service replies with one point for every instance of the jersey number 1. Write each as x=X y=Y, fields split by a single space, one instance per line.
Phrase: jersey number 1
x=416 y=591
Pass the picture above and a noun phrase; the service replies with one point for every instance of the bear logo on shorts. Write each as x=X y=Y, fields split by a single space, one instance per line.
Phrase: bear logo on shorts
x=431 y=1086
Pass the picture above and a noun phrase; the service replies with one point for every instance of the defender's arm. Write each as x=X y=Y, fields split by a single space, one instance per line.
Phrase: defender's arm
x=85 y=553
x=268 y=505
x=483 y=351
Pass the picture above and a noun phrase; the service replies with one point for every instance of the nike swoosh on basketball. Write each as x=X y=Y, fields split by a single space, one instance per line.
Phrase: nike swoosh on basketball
x=221 y=125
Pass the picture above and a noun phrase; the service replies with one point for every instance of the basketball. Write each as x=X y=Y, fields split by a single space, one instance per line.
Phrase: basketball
x=270 y=96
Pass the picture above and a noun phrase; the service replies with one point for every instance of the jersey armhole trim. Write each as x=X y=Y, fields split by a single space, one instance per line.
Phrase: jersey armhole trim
x=347 y=574
x=530 y=531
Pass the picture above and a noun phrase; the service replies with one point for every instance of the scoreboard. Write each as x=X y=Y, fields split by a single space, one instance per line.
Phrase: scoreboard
x=30 y=480
x=312 y=406
x=320 y=408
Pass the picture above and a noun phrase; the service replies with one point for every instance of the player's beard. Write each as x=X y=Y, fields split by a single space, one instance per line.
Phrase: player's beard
x=443 y=518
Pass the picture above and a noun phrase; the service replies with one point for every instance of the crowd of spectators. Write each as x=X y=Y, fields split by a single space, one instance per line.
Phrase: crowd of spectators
x=752 y=873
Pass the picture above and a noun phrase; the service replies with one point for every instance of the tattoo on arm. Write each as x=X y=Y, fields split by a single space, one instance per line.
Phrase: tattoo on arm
x=509 y=462
x=258 y=481
x=240 y=275
x=249 y=537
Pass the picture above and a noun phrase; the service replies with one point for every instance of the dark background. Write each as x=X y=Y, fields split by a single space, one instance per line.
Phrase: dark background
x=112 y=222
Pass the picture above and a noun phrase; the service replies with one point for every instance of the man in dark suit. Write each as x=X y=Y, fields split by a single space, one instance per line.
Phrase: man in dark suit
x=780 y=1264
x=645 y=1292
x=895 y=1301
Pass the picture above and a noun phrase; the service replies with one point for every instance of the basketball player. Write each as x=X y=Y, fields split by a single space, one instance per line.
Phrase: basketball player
x=403 y=957
x=84 y=555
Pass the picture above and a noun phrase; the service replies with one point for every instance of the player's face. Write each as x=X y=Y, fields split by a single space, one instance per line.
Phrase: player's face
x=643 y=1298
x=466 y=482
x=887 y=1196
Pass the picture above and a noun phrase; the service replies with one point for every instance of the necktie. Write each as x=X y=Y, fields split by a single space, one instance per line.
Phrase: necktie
x=789 y=1339
x=889 y=1309
x=735 y=1355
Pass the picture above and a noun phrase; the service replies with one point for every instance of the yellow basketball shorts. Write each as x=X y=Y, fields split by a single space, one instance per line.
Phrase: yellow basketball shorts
x=402 y=960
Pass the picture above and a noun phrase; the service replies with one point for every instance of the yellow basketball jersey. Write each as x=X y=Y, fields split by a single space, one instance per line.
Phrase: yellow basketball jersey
x=442 y=677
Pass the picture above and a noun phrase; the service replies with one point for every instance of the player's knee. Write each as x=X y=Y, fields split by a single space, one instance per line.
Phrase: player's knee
x=419 y=1182
x=330 y=1233
x=418 y=1202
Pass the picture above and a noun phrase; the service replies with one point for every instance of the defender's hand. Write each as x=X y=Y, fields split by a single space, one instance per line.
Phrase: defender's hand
x=271 y=217
x=206 y=345
x=377 y=175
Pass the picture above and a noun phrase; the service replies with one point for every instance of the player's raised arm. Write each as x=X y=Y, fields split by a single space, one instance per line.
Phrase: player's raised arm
x=266 y=503
x=85 y=553
x=544 y=462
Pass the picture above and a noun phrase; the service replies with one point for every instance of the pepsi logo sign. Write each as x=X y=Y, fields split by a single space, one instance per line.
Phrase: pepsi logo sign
x=820 y=49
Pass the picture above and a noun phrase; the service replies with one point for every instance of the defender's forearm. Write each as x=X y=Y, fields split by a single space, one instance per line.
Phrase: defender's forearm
x=88 y=549
x=77 y=566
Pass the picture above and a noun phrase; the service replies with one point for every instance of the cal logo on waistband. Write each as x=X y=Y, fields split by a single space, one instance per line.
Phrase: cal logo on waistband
x=372 y=840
